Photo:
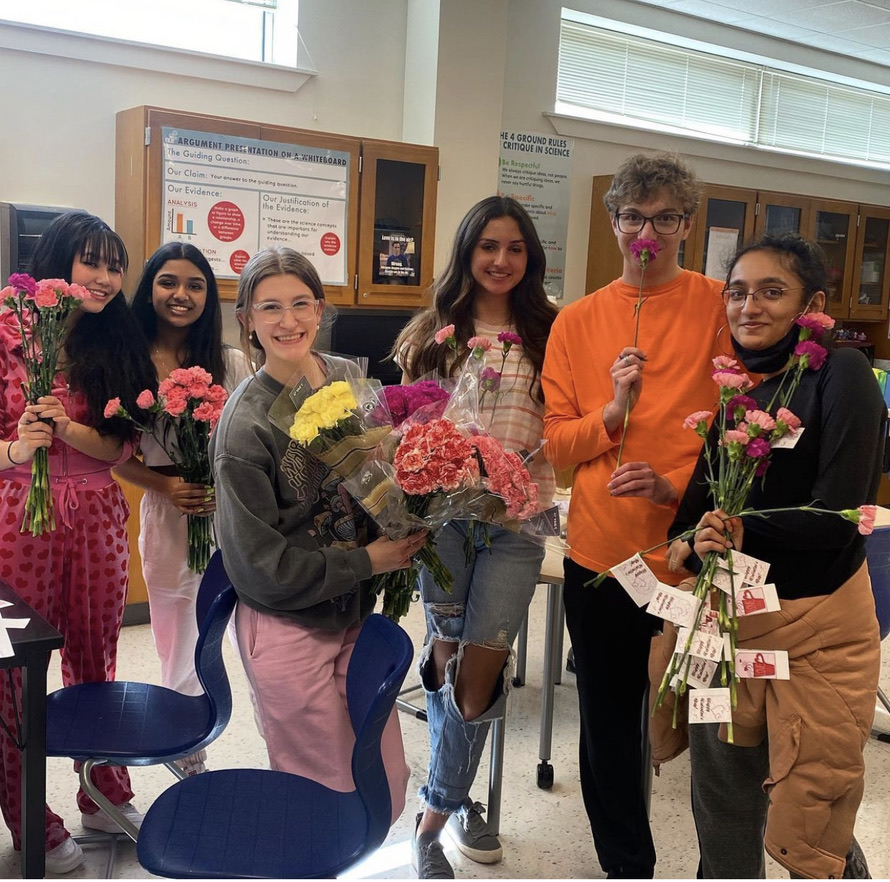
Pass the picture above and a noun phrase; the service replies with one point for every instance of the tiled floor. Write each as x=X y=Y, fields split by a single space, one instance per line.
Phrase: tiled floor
x=544 y=833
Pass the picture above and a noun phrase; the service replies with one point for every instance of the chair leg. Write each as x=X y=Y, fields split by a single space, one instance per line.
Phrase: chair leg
x=176 y=771
x=102 y=801
x=109 y=839
x=882 y=697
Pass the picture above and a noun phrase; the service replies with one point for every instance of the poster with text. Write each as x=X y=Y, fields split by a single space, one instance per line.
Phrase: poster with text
x=536 y=170
x=231 y=197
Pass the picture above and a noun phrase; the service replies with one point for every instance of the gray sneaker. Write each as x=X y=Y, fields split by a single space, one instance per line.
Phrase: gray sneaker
x=471 y=836
x=427 y=856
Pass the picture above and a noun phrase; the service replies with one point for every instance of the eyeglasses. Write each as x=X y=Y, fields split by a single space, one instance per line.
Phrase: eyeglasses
x=632 y=222
x=272 y=312
x=770 y=294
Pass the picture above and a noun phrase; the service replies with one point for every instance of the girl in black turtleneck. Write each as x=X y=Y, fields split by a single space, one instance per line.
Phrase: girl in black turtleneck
x=836 y=464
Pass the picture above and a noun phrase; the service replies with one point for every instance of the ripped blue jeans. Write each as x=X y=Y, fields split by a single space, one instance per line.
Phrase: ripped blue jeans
x=489 y=602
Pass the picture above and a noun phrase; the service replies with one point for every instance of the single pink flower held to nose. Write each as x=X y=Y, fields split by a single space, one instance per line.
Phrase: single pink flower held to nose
x=645 y=251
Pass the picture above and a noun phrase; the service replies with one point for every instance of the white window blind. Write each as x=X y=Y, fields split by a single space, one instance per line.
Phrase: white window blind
x=637 y=81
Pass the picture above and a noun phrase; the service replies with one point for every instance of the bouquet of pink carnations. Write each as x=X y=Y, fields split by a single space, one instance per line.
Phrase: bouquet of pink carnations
x=188 y=405
x=42 y=309
x=414 y=481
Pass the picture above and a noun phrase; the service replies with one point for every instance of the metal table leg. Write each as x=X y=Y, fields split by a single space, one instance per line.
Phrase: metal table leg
x=551 y=664
x=521 y=653
x=495 y=777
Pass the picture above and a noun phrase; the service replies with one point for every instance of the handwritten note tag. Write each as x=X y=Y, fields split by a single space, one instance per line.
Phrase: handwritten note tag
x=762 y=664
x=753 y=570
x=755 y=599
x=674 y=605
x=789 y=441
x=700 y=674
x=707 y=646
x=636 y=579
x=710 y=706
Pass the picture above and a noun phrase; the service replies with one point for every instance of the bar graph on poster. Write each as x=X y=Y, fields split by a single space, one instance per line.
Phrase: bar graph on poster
x=231 y=197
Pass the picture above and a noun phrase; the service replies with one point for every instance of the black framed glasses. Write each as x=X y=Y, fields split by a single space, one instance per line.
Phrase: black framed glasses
x=735 y=295
x=667 y=223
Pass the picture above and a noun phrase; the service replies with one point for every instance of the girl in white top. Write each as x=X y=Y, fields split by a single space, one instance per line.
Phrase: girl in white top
x=493 y=283
x=177 y=305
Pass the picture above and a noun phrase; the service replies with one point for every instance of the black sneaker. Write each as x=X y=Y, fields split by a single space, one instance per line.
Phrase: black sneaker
x=427 y=856
x=471 y=836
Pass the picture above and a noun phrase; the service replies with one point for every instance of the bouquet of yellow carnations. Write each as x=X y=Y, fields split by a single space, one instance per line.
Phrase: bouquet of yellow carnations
x=339 y=424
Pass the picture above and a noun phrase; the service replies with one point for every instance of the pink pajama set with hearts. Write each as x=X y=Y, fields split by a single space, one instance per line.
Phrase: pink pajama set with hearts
x=76 y=576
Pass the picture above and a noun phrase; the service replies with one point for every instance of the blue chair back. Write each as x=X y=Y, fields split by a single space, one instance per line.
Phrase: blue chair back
x=215 y=602
x=377 y=669
x=877 y=548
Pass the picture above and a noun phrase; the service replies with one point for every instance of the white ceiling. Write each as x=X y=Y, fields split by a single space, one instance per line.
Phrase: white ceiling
x=857 y=28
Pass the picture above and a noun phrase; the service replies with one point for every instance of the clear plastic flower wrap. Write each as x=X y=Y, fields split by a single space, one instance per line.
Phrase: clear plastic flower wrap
x=340 y=423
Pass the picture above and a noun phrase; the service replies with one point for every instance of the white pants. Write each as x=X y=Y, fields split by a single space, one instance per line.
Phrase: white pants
x=172 y=590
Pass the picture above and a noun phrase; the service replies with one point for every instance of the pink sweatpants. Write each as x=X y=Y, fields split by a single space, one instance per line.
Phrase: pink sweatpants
x=298 y=675
x=172 y=590
x=76 y=578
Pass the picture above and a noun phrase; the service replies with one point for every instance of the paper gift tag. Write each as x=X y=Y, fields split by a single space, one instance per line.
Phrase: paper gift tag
x=710 y=706
x=636 y=579
x=724 y=581
x=700 y=674
x=755 y=599
x=679 y=607
x=753 y=570
x=708 y=622
x=704 y=645
x=762 y=664
x=787 y=442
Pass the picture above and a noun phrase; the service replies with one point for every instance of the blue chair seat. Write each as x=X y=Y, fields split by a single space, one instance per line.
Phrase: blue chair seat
x=128 y=724
x=257 y=823
x=252 y=823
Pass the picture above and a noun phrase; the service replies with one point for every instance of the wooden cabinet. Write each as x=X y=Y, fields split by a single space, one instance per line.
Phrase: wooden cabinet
x=379 y=199
x=398 y=223
x=854 y=237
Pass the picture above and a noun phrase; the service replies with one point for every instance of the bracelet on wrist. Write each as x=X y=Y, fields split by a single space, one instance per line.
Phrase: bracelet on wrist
x=9 y=454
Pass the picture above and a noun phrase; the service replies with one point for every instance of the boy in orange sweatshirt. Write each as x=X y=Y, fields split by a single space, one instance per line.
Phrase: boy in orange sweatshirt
x=591 y=370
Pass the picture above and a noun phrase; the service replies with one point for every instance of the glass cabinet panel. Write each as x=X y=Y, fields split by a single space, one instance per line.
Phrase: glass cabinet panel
x=724 y=228
x=782 y=219
x=398 y=222
x=833 y=236
x=872 y=267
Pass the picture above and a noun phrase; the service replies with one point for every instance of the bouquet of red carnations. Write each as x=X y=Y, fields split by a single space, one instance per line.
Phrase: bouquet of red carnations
x=42 y=309
x=188 y=405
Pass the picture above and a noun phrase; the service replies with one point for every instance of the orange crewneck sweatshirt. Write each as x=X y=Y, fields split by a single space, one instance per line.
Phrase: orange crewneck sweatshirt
x=679 y=327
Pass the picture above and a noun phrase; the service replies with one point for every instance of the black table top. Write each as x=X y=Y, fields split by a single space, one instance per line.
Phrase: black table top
x=38 y=636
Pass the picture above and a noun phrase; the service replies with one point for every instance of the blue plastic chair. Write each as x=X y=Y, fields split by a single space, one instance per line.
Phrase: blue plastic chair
x=877 y=547
x=140 y=724
x=259 y=823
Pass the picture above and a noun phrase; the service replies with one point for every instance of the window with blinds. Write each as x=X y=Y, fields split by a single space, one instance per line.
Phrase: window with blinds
x=646 y=83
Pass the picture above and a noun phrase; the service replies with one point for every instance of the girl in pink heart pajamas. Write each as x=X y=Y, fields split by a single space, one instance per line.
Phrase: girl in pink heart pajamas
x=75 y=576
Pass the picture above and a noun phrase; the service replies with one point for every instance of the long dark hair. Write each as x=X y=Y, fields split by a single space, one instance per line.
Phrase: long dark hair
x=531 y=312
x=107 y=352
x=203 y=344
